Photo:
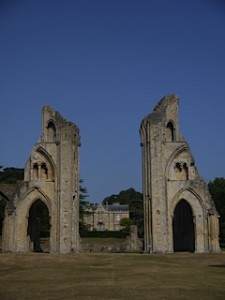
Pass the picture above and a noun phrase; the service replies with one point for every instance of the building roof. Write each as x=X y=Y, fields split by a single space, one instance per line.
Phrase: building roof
x=112 y=207
x=118 y=207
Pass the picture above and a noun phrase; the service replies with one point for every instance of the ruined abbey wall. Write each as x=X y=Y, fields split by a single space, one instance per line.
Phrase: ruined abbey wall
x=179 y=213
x=178 y=210
x=51 y=178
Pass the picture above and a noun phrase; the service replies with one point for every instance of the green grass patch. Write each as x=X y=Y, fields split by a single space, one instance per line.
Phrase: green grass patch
x=101 y=276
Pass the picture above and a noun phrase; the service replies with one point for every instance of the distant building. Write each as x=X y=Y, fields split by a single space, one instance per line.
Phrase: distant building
x=105 y=217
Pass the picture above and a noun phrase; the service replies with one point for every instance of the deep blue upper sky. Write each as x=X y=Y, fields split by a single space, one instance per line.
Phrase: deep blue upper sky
x=104 y=64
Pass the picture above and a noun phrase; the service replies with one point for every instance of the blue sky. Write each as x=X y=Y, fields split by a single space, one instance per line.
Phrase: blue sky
x=104 y=65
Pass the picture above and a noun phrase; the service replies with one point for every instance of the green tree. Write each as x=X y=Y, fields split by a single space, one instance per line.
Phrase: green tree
x=82 y=204
x=11 y=175
x=126 y=223
x=8 y=176
x=134 y=200
x=217 y=190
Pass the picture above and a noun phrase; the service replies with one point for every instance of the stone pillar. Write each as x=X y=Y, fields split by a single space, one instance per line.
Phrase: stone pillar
x=132 y=242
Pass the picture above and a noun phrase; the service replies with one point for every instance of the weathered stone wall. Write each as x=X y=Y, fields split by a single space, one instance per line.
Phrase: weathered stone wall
x=130 y=244
x=169 y=176
x=51 y=176
x=133 y=243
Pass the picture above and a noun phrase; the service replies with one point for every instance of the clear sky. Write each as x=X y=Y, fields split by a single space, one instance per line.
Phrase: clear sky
x=104 y=64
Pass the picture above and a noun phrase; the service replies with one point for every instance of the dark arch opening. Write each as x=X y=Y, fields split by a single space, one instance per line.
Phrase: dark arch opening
x=170 y=132
x=3 y=203
x=183 y=228
x=51 y=131
x=35 y=171
x=44 y=171
x=39 y=226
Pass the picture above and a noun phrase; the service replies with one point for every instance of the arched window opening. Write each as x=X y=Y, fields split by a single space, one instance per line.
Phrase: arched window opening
x=178 y=167
x=183 y=228
x=181 y=170
x=39 y=226
x=44 y=171
x=170 y=132
x=51 y=132
x=35 y=171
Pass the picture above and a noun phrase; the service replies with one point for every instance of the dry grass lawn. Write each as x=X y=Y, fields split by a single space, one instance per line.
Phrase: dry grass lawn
x=108 y=276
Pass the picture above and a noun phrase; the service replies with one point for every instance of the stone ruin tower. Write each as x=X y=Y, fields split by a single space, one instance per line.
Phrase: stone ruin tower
x=179 y=212
x=51 y=178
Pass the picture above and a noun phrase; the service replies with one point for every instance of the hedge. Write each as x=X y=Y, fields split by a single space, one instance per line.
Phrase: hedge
x=104 y=234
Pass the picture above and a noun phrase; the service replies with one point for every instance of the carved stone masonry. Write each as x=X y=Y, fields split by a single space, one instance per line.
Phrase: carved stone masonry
x=179 y=214
x=51 y=179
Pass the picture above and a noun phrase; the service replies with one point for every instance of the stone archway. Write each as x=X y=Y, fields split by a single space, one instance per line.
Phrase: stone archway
x=38 y=227
x=183 y=227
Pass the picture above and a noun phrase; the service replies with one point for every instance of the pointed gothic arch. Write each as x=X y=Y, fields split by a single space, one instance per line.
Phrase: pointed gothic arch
x=51 y=132
x=170 y=132
x=187 y=169
x=23 y=211
x=38 y=225
x=47 y=165
x=183 y=227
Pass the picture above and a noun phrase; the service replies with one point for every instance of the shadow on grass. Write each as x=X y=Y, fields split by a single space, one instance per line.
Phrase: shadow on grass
x=218 y=266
